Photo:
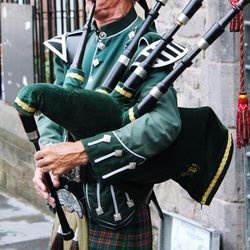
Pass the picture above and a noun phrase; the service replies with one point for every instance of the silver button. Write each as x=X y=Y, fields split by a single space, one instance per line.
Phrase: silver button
x=117 y=217
x=131 y=35
x=96 y=62
x=99 y=211
x=91 y=79
x=101 y=46
x=102 y=35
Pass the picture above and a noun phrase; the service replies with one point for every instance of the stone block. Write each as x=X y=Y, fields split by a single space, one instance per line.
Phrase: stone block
x=193 y=78
x=225 y=49
x=189 y=98
x=219 y=90
x=188 y=88
x=167 y=194
x=2 y=174
x=215 y=11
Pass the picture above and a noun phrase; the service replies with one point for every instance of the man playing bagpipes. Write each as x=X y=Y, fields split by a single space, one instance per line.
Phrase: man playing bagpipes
x=106 y=151
x=108 y=206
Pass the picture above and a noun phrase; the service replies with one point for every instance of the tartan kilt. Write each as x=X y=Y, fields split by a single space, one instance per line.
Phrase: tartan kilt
x=137 y=235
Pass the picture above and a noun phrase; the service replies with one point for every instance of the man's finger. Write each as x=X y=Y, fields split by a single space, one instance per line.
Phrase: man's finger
x=38 y=180
x=55 y=180
x=40 y=163
x=38 y=155
x=51 y=201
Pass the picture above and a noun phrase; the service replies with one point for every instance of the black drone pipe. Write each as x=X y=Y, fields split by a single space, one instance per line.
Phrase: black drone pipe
x=136 y=78
x=75 y=75
x=124 y=59
x=77 y=61
x=211 y=35
x=31 y=130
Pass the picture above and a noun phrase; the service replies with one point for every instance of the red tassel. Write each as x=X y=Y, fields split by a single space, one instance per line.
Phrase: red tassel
x=235 y=22
x=243 y=121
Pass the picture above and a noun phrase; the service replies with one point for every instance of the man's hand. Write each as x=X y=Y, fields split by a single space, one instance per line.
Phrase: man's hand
x=60 y=158
x=41 y=187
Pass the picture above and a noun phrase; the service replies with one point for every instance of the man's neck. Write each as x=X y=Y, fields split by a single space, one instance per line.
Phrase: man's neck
x=105 y=17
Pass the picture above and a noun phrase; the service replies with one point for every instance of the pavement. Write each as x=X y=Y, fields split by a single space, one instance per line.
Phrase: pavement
x=22 y=227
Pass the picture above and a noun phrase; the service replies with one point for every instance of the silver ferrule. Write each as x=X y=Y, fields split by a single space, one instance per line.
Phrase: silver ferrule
x=33 y=135
x=203 y=44
x=156 y=93
x=182 y=19
x=124 y=60
x=140 y=72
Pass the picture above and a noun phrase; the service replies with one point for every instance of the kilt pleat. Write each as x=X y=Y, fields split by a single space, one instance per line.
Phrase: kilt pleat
x=135 y=236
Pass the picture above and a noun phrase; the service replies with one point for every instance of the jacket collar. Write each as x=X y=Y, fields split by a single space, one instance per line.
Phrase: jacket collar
x=119 y=25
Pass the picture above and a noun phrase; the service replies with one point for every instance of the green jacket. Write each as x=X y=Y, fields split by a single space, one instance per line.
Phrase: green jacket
x=135 y=142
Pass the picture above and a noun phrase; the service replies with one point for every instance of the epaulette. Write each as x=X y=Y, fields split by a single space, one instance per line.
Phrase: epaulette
x=169 y=55
x=64 y=45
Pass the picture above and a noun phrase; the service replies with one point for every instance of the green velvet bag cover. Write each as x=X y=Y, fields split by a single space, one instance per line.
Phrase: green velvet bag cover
x=83 y=113
x=198 y=159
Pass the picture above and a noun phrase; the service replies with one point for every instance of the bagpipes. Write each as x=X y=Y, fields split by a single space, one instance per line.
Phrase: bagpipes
x=199 y=157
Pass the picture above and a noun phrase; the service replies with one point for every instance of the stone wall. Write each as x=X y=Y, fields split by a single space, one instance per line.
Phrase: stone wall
x=16 y=158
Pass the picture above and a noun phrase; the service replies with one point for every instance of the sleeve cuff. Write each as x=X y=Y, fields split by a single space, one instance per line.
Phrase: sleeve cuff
x=109 y=156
